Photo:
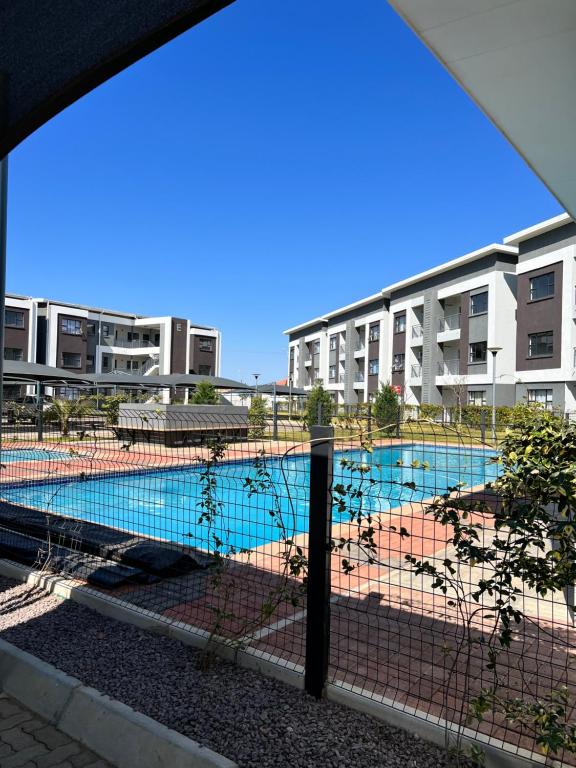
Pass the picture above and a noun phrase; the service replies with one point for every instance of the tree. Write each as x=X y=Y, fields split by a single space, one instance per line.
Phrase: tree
x=64 y=411
x=111 y=406
x=386 y=408
x=319 y=407
x=257 y=417
x=205 y=394
x=459 y=388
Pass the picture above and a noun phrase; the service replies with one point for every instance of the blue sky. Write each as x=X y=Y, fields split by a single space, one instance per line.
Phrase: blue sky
x=277 y=161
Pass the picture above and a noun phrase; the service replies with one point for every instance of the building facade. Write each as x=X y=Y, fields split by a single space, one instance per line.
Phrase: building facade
x=91 y=340
x=503 y=313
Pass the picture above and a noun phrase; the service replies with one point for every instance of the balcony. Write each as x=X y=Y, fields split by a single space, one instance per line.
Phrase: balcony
x=110 y=341
x=449 y=367
x=359 y=349
x=417 y=332
x=359 y=376
x=449 y=323
x=416 y=372
x=308 y=360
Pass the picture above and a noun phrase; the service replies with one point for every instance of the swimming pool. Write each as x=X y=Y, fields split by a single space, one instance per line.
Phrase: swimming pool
x=31 y=454
x=165 y=503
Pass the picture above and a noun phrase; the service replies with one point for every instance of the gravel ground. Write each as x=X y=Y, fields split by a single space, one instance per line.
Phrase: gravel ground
x=254 y=720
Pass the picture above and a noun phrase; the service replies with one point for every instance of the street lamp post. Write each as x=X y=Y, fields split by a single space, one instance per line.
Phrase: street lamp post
x=494 y=351
x=256 y=377
x=290 y=397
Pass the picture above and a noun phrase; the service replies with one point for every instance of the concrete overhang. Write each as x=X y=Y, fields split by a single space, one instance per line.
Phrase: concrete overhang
x=517 y=61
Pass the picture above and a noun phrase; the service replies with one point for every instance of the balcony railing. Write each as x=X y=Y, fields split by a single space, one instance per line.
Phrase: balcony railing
x=416 y=371
x=359 y=376
x=110 y=341
x=449 y=367
x=417 y=331
x=342 y=348
x=449 y=323
x=360 y=347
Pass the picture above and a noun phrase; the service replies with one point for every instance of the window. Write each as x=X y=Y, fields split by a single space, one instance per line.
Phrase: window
x=400 y=324
x=133 y=336
x=316 y=347
x=206 y=345
x=332 y=373
x=333 y=343
x=71 y=360
x=316 y=374
x=479 y=303
x=542 y=286
x=134 y=365
x=478 y=350
x=106 y=330
x=205 y=370
x=12 y=353
x=105 y=361
x=477 y=397
x=373 y=367
x=68 y=393
x=540 y=344
x=71 y=326
x=374 y=332
x=14 y=319
x=398 y=362
x=91 y=329
x=89 y=361
x=542 y=396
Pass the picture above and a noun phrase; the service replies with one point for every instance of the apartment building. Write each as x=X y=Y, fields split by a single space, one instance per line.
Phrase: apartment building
x=86 y=339
x=503 y=312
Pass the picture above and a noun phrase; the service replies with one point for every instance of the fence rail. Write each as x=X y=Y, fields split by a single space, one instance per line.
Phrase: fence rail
x=308 y=548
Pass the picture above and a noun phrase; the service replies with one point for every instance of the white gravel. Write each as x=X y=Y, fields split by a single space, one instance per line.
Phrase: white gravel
x=253 y=720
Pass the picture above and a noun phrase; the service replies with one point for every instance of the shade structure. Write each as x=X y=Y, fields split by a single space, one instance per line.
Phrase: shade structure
x=517 y=61
x=23 y=372
x=281 y=389
x=168 y=380
x=55 y=51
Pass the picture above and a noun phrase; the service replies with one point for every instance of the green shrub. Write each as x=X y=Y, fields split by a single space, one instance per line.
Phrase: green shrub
x=111 y=406
x=257 y=417
x=431 y=411
x=318 y=399
x=386 y=408
x=205 y=394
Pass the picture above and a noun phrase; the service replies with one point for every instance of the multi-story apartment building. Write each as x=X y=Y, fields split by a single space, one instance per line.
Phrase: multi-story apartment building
x=92 y=340
x=505 y=311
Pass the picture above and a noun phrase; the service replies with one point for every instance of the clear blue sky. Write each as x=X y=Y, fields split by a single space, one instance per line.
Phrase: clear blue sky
x=278 y=161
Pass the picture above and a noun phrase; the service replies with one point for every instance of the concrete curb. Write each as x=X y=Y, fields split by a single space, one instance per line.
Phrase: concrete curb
x=114 y=731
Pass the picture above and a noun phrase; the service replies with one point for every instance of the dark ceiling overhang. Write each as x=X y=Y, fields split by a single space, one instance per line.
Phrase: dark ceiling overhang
x=52 y=52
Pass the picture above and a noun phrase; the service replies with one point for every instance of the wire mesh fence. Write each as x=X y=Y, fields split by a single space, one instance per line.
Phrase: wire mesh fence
x=203 y=516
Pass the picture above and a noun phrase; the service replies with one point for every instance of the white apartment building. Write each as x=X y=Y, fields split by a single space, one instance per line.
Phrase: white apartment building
x=443 y=335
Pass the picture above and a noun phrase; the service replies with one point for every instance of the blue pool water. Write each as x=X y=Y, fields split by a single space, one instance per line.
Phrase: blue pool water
x=165 y=503
x=31 y=454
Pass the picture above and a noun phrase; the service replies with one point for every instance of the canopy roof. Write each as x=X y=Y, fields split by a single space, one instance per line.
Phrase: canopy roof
x=15 y=370
x=516 y=59
x=168 y=380
x=55 y=51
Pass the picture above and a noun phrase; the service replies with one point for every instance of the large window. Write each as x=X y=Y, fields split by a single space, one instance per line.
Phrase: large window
x=476 y=397
x=398 y=362
x=205 y=370
x=373 y=367
x=206 y=345
x=71 y=326
x=478 y=350
x=479 y=303
x=542 y=286
x=71 y=360
x=13 y=353
x=316 y=374
x=14 y=319
x=90 y=362
x=316 y=347
x=542 y=396
x=333 y=343
x=541 y=344
x=332 y=373
x=400 y=324
x=374 y=332
x=91 y=328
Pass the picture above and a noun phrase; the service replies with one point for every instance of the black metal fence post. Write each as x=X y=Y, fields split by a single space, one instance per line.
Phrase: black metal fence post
x=483 y=426
x=369 y=418
x=275 y=422
x=319 y=555
x=398 y=420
